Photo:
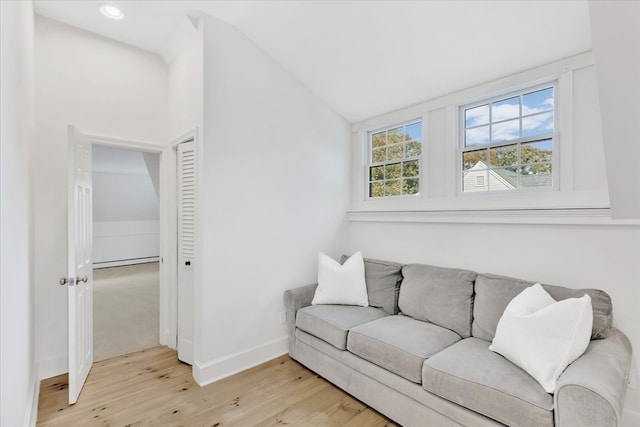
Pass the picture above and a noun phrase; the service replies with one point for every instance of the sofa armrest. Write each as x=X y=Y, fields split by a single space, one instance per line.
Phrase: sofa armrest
x=295 y=299
x=590 y=392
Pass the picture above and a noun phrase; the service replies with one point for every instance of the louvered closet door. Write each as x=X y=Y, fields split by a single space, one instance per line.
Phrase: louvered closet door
x=187 y=187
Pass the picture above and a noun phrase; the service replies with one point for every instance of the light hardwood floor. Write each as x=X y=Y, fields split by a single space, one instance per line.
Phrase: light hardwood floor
x=153 y=388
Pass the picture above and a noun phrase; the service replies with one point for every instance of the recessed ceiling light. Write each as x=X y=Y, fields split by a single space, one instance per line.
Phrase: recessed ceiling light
x=111 y=11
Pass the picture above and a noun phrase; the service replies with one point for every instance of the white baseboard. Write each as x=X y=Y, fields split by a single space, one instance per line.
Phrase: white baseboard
x=31 y=413
x=630 y=418
x=208 y=372
x=52 y=367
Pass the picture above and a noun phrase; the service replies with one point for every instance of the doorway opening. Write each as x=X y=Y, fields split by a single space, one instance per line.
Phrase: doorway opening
x=126 y=251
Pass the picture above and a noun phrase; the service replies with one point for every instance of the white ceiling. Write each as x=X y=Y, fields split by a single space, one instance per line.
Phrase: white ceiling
x=366 y=58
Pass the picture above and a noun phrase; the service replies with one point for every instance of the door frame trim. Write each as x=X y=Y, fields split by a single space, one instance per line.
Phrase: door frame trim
x=167 y=314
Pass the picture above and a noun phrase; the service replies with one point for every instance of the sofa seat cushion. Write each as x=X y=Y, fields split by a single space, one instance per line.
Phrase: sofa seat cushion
x=331 y=323
x=471 y=375
x=399 y=344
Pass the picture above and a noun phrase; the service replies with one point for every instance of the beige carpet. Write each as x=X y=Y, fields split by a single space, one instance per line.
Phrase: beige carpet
x=125 y=309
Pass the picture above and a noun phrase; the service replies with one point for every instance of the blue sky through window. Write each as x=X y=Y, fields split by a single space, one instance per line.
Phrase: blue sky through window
x=414 y=131
x=511 y=118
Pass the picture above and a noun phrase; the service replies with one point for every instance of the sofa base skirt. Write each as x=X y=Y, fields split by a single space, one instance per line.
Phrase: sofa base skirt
x=380 y=389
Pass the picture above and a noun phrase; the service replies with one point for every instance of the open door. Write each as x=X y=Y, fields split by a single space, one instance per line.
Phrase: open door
x=80 y=264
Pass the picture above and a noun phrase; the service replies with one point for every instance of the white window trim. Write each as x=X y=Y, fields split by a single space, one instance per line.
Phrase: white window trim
x=368 y=155
x=459 y=140
x=570 y=216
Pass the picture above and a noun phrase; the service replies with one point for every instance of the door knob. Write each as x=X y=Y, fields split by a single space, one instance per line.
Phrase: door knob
x=83 y=279
x=70 y=281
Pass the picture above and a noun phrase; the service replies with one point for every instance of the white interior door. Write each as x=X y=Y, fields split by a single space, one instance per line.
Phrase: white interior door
x=186 y=169
x=80 y=270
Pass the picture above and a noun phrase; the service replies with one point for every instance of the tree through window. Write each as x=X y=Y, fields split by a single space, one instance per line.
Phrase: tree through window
x=394 y=160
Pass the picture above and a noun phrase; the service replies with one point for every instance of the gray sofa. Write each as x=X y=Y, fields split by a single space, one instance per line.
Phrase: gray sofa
x=419 y=353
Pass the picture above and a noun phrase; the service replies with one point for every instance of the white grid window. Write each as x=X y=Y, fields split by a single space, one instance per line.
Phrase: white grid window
x=508 y=142
x=394 y=160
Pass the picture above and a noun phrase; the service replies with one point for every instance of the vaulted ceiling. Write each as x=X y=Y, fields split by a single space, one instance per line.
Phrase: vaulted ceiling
x=365 y=58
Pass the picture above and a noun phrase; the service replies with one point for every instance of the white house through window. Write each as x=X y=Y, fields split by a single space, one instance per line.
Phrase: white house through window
x=394 y=160
x=508 y=142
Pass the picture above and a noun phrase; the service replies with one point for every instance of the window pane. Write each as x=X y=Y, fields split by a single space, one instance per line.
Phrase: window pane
x=539 y=124
x=477 y=136
x=475 y=180
x=471 y=159
x=376 y=189
x=379 y=139
x=539 y=175
x=503 y=179
x=496 y=131
x=395 y=136
x=505 y=131
x=376 y=173
x=378 y=155
x=392 y=188
x=412 y=149
x=505 y=109
x=395 y=152
x=410 y=186
x=410 y=169
x=414 y=131
x=536 y=102
x=504 y=156
x=392 y=171
x=476 y=116
x=389 y=173
x=536 y=152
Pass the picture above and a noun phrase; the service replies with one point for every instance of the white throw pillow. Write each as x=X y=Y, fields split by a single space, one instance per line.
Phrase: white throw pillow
x=543 y=336
x=341 y=284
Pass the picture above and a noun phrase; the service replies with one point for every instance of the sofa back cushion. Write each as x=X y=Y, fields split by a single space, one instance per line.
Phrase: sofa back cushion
x=443 y=296
x=493 y=294
x=383 y=283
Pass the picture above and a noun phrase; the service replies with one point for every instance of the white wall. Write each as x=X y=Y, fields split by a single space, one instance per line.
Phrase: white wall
x=104 y=88
x=274 y=193
x=616 y=45
x=152 y=161
x=123 y=197
x=574 y=247
x=186 y=90
x=18 y=393
x=126 y=226
x=125 y=242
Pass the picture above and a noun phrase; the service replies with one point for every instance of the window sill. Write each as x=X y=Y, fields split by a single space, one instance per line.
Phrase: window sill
x=573 y=216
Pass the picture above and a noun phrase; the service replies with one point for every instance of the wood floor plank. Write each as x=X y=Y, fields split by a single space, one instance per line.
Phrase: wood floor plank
x=122 y=373
x=153 y=388
x=323 y=408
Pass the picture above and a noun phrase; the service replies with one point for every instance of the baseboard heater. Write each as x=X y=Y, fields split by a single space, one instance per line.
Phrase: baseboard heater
x=122 y=262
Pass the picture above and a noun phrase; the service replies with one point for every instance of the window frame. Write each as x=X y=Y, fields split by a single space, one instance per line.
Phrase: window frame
x=368 y=160
x=505 y=95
